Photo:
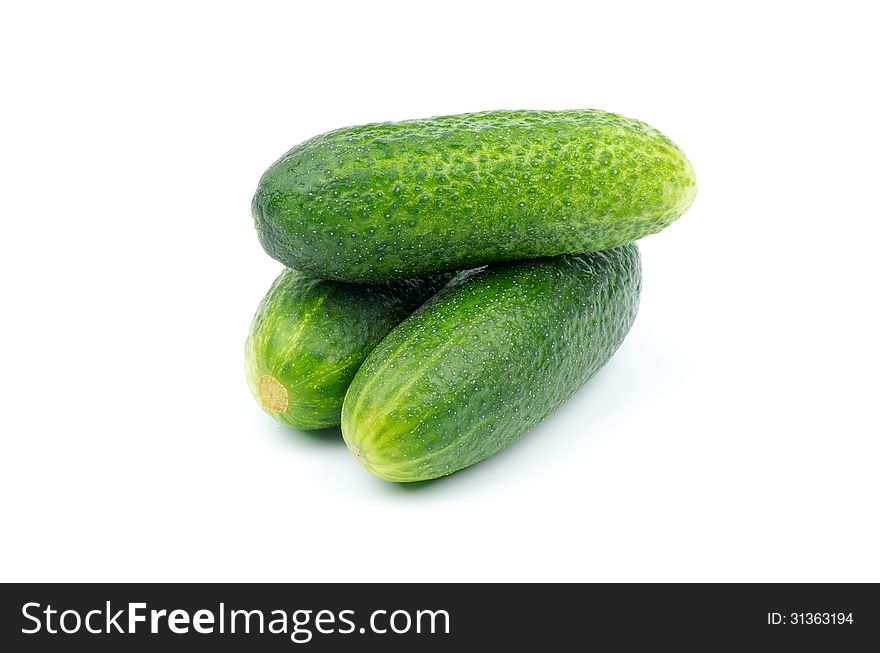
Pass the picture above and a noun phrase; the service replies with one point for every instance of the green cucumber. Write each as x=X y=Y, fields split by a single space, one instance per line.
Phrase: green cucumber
x=486 y=359
x=403 y=200
x=309 y=336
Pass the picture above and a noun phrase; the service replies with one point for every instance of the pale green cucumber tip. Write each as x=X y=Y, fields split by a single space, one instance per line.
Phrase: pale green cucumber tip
x=356 y=445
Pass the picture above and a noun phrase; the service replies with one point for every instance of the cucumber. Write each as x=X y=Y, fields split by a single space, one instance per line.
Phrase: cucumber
x=309 y=337
x=402 y=200
x=486 y=359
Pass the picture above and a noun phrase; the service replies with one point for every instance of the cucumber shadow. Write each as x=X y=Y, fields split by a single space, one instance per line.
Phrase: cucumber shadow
x=318 y=438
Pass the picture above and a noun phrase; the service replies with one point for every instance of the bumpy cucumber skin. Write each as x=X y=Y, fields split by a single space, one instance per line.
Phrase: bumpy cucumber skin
x=311 y=335
x=401 y=200
x=486 y=359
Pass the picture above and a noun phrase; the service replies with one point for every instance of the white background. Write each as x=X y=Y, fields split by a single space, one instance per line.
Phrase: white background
x=733 y=437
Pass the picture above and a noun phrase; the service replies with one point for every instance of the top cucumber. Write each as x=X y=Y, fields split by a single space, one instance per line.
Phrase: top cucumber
x=403 y=200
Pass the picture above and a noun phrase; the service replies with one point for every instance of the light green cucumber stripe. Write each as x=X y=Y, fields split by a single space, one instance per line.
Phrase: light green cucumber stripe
x=424 y=368
x=354 y=414
x=291 y=340
x=476 y=426
x=325 y=373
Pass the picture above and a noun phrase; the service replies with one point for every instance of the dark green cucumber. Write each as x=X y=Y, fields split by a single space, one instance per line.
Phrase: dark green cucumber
x=309 y=337
x=486 y=359
x=402 y=200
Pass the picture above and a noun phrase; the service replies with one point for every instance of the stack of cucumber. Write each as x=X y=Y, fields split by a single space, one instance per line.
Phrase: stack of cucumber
x=452 y=281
